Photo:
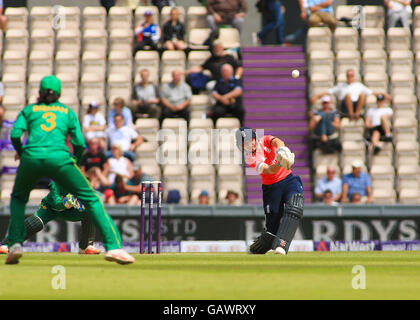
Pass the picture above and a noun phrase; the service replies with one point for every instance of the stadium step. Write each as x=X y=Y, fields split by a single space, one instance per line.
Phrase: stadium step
x=276 y=103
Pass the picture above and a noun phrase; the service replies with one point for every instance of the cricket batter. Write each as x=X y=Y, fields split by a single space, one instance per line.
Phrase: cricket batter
x=282 y=190
x=59 y=204
x=45 y=154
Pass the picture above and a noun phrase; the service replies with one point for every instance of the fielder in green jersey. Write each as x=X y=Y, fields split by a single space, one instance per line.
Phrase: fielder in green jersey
x=59 y=204
x=48 y=122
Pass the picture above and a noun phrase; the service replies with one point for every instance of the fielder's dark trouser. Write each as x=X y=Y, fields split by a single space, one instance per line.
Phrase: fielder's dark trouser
x=275 y=197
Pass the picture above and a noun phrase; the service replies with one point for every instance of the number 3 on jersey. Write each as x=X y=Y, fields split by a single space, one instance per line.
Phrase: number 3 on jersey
x=50 y=118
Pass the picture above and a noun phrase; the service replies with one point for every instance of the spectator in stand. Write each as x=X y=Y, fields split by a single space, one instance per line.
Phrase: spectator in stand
x=228 y=96
x=214 y=63
x=233 y=198
x=118 y=107
x=97 y=180
x=118 y=164
x=357 y=181
x=321 y=11
x=163 y=3
x=328 y=199
x=227 y=12
x=145 y=100
x=120 y=195
x=299 y=36
x=134 y=184
x=352 y=96
x=203 y=198
x=175 y=98
x=94 y=124
x=173 y=197
x=272 y=11
x=356 y=198
x=377 y=121
x=2 y=110
x=94 y=157
x=125 y=137
x=324 y=125
x=331 y=183
x=3 y=18
x=147 y=34
x=399 y=13
x=174 y=32
x=108 y=4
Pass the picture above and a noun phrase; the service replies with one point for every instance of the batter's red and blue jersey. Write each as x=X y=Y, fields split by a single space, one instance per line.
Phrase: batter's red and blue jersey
x=266 y=153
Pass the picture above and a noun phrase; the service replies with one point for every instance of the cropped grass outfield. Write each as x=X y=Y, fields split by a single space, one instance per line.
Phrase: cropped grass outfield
x=314 y=275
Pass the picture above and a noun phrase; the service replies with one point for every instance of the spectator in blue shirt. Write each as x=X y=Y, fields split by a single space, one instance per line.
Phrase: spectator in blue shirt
x=118 y=107
x=228 y=95
x=321 y=12
x=147 y=34
x=331 y=183
x=357 y=182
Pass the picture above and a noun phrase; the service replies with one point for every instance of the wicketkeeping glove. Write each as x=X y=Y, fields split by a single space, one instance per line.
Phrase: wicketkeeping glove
x=68 y=201
x=285 y=157
x=71 y=201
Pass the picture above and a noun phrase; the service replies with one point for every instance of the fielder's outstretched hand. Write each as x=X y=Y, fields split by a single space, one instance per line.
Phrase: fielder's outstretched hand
x=285 y=157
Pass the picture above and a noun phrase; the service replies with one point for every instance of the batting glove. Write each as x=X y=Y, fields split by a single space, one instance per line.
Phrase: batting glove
x=285 y=157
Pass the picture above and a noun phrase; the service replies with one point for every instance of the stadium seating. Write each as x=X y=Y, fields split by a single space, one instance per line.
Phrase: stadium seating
x=17 y=18
x=120 y=18
x=196 y=17
x=94 y=18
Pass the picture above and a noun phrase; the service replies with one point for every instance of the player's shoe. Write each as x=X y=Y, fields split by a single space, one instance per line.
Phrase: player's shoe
x=90 y=250
x=279 y=250
x=15 y=253
x=4 y=249
x=120 y=256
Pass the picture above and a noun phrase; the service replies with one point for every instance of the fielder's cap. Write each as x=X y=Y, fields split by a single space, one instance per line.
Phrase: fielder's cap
x=51 y=83
x=380 y=97
x=94 y=104
x=326 y=98
x=148 y=13
x=204 y=193
x=357 y=164
x=244 y=134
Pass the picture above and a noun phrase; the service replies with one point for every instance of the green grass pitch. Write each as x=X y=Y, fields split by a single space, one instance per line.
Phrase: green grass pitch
x=169 y=276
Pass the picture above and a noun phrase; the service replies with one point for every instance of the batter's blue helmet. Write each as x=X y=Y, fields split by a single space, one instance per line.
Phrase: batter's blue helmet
x=244 y=134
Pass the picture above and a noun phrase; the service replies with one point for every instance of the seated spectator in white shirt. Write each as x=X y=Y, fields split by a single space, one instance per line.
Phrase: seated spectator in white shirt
x=124 y=136
x=398 y=11
x=377 y=121
x=352 y=96
x=118 y=107
x=94 y=124
x=118 y=164
x=331 y=183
